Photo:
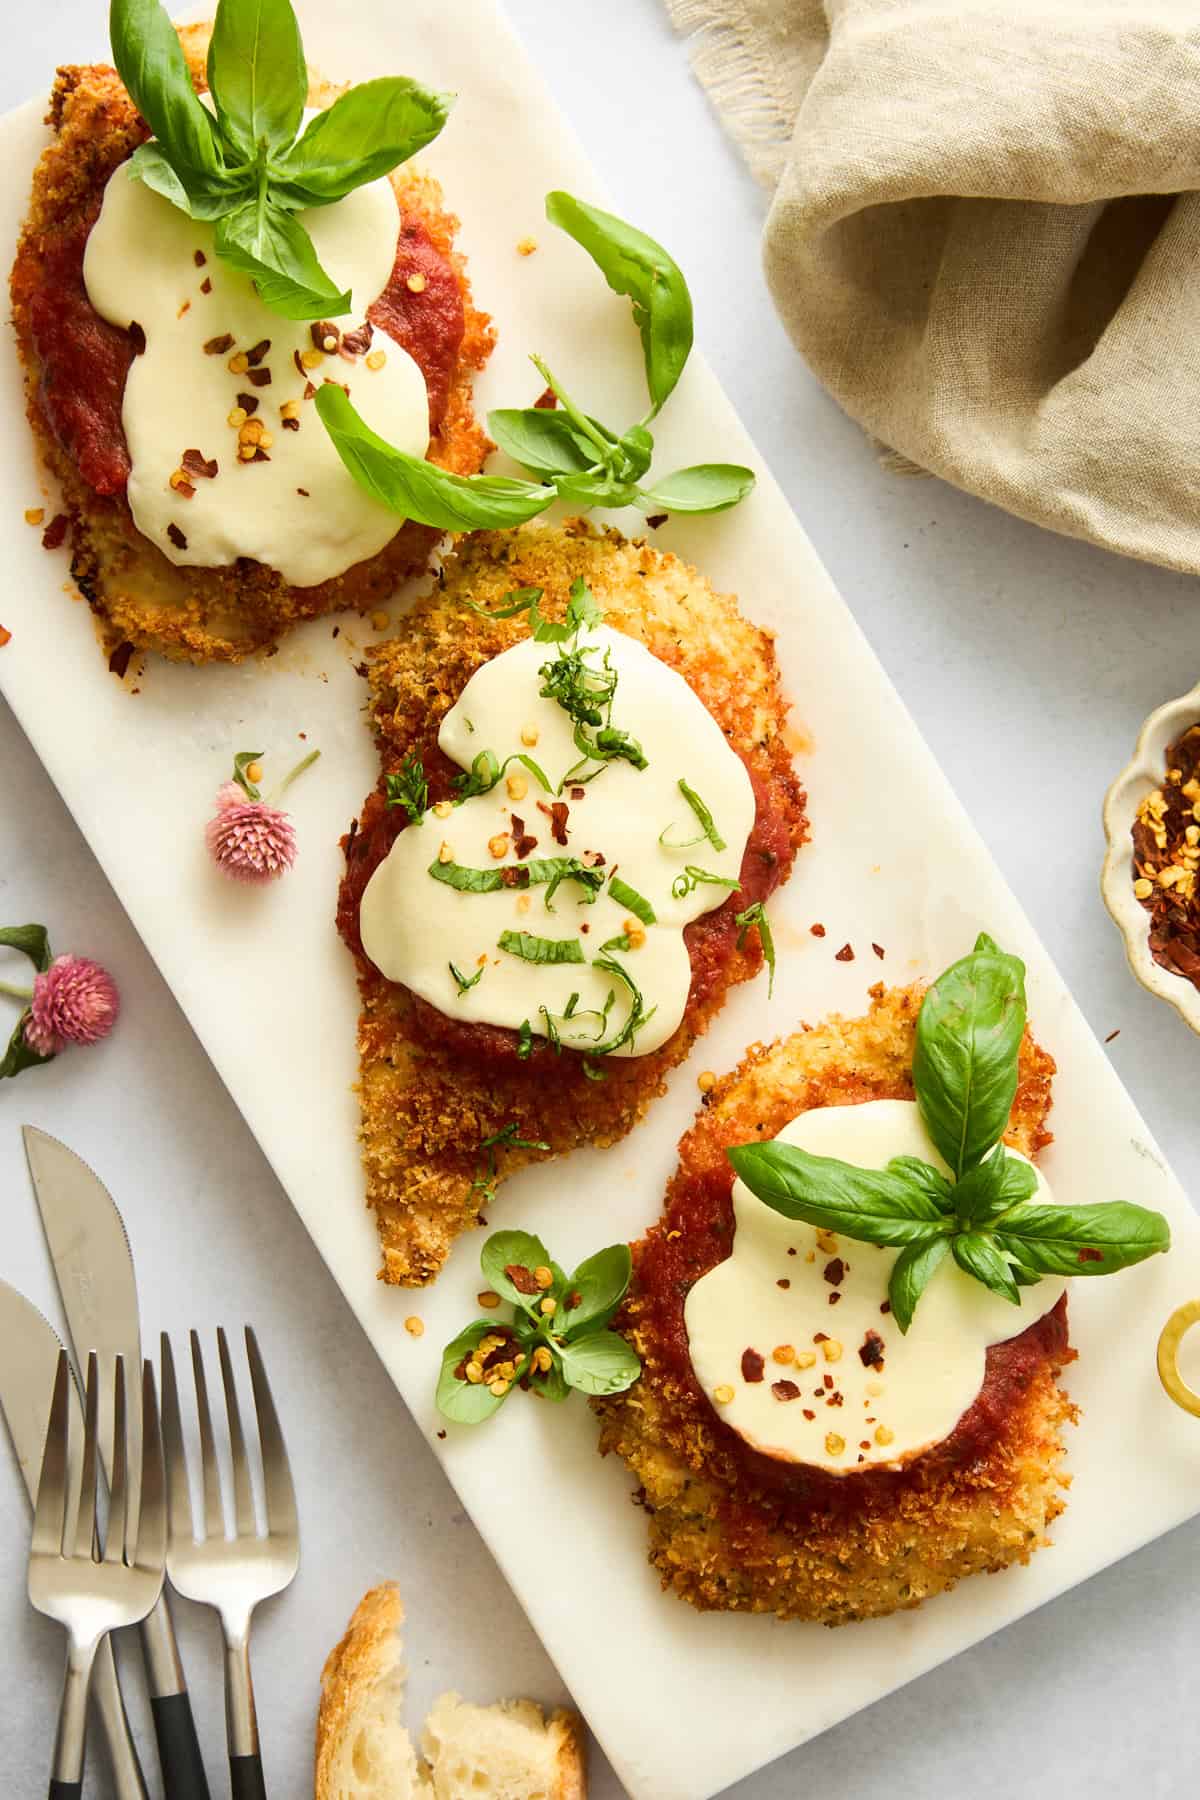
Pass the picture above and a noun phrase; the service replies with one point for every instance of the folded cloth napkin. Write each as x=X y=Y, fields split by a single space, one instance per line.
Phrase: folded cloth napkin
x=985 y=237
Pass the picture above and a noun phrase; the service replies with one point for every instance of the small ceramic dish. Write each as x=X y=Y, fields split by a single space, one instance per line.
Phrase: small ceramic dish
x=1143 y=774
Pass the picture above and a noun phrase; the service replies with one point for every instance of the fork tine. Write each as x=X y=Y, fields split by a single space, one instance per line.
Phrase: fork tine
x=85 y=1519
x=152 y=1515
x=115 y=1542
x=280 y=1492
x=50 y=1511
x=179 y=1499
x=243 y=1498
x=214 y=1512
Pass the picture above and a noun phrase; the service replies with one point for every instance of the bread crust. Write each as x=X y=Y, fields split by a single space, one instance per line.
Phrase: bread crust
x=138 y=596
x=426 y=1104
x=726 y=1535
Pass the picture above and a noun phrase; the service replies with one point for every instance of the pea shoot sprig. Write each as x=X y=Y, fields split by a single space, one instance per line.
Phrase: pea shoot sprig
x=573 y=456
x=245 y=165
x=965 y=1073
x=556 y=1339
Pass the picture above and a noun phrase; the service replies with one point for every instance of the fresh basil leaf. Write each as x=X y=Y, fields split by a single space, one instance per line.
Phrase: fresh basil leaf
x=273 y=248
x=416 y=489
x=542 y=440
x=257 y=74
x=365 y=134
x=979 y=1254
x=520 y=1250
x=600 y=1282
x=708 y=830
x=926 y=1177
x=637 y=447
x=633 y=264
x=706 y=488
x=595 y=490
x=200 y=198
x=32 y=941
x=466 y=1402
x=690 y=878
x=969 y=1035
x=533 y=949
x=465 y=983
x=599 y=1363
x=628 y=897
x=872 y=1205
x=912 y=1272
x=517 y=600
x=407 y=787
x=637 y=1015
x=583 y=611
x=756 y=915
x=151 y=63
x=992 y=1186
x=1082 y=1240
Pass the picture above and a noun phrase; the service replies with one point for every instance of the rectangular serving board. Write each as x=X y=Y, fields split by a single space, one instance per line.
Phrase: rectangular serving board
x=684 y=1704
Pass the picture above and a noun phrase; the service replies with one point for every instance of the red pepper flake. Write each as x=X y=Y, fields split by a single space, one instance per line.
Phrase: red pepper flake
x=310 y=392
x=835 y=1272
x=184 y=489
x=753 y=1365
x=808 y=1413
x=577 y=793
x=574 y=1299
x=584 y=927
x=248 y=403
x=834 y=1298
x=199 y=258
x=835 y=1399
x=301 y=371
x=320 y=331
x=513 y=877
x=791 y=1252
x=176 y=536
x=196 y=463
x=523 y=1279
x=845 y=954
x=358 y=342
x=783 y=1282
x=259 y=377
x=118 y=662
x=303 y=493
x=522 y=842
x=255 y=356
x=870 y=1351
x=547 y=400
x=879 y=951
x=1112 y=1035
x=5 y=636
x=290 y=424
x=1087 y=1256
x=206 y=285
x=886 y=1307
x=217 y=346
x=55 y=532
x=557 y=812
x=817 y=930
x=864 y=1443
x=441 y=1434
x=828 y=1380
x=786 y=1390
x=654 y=520
x=261 y=455
x=820 y=1337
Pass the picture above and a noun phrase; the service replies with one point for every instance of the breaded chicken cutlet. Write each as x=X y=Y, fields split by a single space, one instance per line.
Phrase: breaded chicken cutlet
x=737 y=1531
x=76 y=365
x=434 y=1089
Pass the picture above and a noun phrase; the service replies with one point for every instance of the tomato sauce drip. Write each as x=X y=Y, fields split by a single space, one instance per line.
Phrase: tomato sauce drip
x=428 y=321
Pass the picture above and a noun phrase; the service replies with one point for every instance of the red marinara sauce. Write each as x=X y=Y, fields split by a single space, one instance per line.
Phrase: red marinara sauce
x=84 y=361
x=695 y=1234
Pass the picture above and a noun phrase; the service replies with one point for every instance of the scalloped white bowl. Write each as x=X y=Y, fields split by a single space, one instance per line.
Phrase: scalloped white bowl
x=1142 y=775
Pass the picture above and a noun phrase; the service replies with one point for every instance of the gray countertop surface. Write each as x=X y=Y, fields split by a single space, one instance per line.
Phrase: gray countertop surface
x=1029 y=662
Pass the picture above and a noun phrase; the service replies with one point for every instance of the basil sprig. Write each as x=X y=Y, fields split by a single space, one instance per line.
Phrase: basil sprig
x=557 y=1338
x=242 y=165
x=965 y=1072
x=574 y=457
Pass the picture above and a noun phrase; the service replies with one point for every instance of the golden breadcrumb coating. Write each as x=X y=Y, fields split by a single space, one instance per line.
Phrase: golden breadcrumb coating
x=722 y=1534
x=138 y=596
x=428 y=1098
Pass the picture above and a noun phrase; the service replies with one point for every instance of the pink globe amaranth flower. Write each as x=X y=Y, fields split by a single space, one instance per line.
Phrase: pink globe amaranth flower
x=250 y=841
x=230 y=794
x=74 y=1002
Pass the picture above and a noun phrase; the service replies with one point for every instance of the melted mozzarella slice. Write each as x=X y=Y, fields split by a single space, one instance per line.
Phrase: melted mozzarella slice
x=866 y=1395
x=414 y=927
x=298 y=511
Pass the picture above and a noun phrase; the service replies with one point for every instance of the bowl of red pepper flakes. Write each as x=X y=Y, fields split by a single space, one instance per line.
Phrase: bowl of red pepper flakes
x=1151 y=878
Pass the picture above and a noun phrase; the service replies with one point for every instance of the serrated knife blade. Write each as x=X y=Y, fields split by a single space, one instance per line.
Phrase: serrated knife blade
x=93 y=1266
x=29 y=1348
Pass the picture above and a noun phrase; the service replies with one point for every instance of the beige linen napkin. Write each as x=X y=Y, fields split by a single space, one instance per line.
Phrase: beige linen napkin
x=985 y=237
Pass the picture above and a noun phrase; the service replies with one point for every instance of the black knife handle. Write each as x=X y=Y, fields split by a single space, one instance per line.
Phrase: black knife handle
x=66 y=1790
x=178 y=1747
x=246 y=1778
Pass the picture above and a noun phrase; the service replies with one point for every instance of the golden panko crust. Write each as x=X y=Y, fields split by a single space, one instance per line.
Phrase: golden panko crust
x=425 y=1107
x=137 y=595
x=719 y=1536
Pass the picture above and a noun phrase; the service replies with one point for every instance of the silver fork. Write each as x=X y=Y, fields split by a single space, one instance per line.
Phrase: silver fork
x=68 y=1580
x=230 y=1573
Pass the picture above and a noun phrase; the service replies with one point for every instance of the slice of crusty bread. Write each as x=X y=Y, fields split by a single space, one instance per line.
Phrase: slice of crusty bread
x=509 y=1751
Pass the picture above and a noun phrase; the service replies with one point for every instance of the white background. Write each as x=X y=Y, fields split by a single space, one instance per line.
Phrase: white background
x=1029 y=663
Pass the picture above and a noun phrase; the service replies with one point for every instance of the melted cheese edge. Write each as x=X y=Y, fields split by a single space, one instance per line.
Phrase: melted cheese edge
x=863 y=1416
x=413 y=927
x=140 y=267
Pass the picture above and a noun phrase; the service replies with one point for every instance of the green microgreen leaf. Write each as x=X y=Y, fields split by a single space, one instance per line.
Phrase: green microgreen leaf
x=597 y=1287
x=533 y=949
x=465 y=1402
x=628 y=897
x=407 y=787
x=508 y=1260
x=756 y=915
x=707 y=488
x=599 y=1363
x=542 y=440
x=969 y=1035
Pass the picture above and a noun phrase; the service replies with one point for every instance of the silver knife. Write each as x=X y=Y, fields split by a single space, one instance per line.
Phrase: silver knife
x=29 y=1350
x=94 y=1269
